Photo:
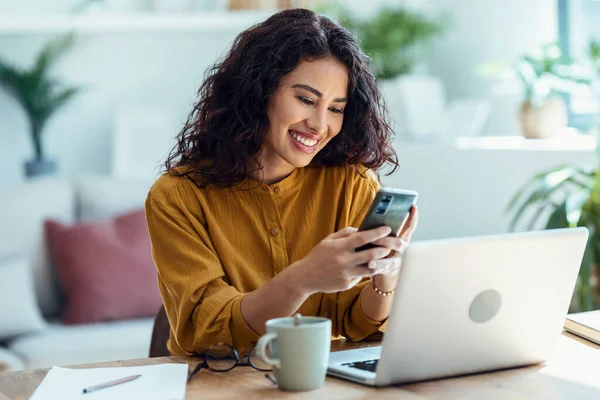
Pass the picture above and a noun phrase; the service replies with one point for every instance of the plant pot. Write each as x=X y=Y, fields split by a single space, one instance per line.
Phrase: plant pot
x=40 y=167
x=544 y=122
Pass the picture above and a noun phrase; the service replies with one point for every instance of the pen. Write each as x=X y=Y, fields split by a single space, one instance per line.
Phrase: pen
x=111 y=383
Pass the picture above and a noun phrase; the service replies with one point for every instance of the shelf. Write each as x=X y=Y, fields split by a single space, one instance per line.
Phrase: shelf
x=107 y=23
x=584 y=143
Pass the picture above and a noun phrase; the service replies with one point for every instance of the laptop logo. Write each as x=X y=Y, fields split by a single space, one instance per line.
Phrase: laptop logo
x=485 y=306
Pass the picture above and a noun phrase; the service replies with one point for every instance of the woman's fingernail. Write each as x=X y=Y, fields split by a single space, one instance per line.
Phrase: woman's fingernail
x=372 y=264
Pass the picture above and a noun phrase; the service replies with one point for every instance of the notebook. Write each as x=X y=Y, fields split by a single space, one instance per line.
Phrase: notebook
x=162 y=381
x=584 y=324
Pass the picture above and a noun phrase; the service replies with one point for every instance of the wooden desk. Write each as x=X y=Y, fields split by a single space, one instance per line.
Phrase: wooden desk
x=571 y=374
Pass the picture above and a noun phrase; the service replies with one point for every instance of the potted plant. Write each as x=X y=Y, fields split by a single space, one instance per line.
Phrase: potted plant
x=397 y=39
x=40 y=95
x=543 y=78
x=568 y=196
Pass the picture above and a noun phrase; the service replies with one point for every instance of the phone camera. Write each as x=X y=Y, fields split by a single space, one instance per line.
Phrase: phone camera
x=386 y=199
x=380 y=211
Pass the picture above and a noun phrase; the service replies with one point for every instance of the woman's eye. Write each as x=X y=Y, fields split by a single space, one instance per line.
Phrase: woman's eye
x=336 y=110
x=306 y=100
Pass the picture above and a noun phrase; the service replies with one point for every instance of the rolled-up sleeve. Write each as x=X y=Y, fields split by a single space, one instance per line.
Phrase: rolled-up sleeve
x=346 y=314
x=201 y=306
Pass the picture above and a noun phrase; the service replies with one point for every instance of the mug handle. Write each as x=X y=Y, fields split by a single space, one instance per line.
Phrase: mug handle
x=261 y=349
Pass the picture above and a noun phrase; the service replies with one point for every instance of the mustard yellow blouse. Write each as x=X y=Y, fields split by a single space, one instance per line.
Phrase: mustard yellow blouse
x=213 y=245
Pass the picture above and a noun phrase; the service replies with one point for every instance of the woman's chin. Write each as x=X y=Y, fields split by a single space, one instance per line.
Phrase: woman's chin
x=300 y=162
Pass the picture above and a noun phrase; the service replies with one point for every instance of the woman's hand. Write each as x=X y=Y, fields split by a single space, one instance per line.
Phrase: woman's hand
x=397 y=246
x=333 y=265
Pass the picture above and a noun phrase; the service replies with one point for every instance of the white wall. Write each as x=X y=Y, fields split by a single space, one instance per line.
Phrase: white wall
x=165 y=70
x=118 y=71
x=490 y=30
x=483 y=31
x=463 y=192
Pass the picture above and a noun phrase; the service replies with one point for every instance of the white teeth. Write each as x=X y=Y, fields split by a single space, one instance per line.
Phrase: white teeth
x=304 y=141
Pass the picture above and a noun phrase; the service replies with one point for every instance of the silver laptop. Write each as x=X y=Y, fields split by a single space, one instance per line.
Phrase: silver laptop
x=471 y=305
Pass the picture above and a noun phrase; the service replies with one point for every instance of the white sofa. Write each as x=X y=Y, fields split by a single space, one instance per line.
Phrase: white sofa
x=48 y=342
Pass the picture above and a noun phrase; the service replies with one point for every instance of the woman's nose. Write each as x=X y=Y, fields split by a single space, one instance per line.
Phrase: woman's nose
x=318 y=122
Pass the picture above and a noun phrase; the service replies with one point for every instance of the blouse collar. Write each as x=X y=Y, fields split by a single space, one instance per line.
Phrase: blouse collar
x=286 y=184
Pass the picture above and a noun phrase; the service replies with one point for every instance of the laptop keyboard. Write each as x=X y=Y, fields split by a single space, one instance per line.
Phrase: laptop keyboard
x=370 y=365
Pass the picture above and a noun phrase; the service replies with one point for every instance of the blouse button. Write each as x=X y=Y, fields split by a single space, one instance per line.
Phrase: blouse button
x=274 y=232
x=276 y=190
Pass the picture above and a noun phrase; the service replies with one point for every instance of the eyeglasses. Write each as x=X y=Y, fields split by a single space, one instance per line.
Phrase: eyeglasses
x=222 y=357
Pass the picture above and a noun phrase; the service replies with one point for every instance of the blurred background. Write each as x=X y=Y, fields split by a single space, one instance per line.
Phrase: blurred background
x=489 y=99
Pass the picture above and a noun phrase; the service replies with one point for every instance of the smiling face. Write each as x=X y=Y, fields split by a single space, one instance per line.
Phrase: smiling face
x=305 y=112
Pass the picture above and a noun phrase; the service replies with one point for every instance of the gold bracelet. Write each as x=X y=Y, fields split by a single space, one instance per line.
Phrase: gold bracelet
x=380 y=292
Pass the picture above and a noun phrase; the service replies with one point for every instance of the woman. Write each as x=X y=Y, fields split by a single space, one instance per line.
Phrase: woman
x=255 y=217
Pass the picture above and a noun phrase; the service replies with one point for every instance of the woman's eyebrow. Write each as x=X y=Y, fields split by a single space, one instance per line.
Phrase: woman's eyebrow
x=317 y=93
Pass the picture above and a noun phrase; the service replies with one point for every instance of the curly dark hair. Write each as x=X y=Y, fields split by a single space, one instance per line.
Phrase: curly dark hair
x=227 y=126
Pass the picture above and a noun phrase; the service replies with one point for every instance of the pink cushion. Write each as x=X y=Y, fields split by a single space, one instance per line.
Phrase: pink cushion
x=105 y=268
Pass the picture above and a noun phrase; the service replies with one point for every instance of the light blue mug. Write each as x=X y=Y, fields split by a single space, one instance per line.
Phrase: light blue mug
x=299 y=353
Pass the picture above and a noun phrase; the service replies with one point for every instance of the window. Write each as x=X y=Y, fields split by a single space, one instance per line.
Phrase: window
x=578 y=24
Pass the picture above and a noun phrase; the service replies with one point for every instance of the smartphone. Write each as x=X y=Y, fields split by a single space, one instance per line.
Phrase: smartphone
x=390 y=207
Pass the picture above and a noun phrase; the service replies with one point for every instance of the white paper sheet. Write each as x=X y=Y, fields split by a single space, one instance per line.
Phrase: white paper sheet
x=160 y=382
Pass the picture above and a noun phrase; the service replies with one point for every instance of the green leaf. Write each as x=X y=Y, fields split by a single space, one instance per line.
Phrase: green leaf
x=550 y=72
x=61 y=98
x=395 y=37
x=558 y=218
x=587 y=176
x=533 y=181
x=594 y=49
x=39 y=94
x=573 y=206
x=50 y=54
x=11 y=79
x=546 y=187
x=527 y=72
x=538 y=213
